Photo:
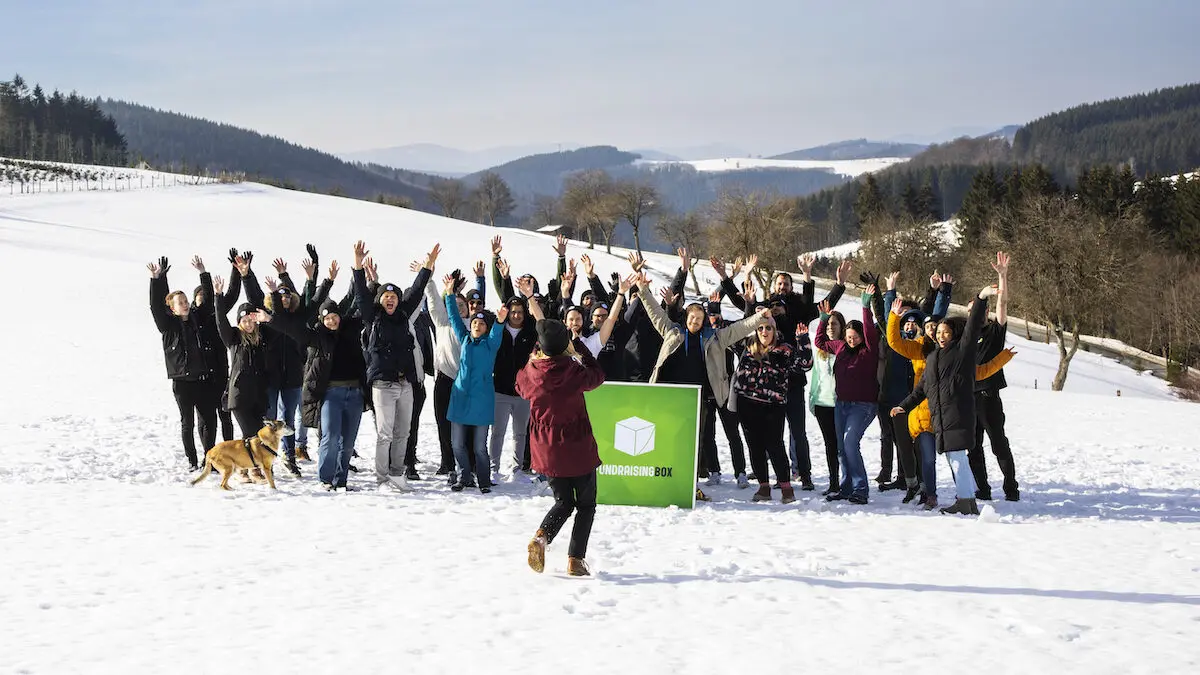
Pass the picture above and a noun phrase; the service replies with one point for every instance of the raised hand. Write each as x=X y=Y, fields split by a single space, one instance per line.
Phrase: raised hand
x=263 y=316
x=233 y=254
x=448 y=284
x=432 y=256
x=249 y=256
x=892 y=279
x=568 y=278
x=764 y=312
x=824 y=306
x=525 y=286
x=497 y=247
x=801 y=329
x=736 y=267
x=643 y=279
x=588 y=268
x=414 y=266
x=627 y=283
x=155 y=270
x=503 y=268
x=502 y=313
x=844 y=270
x=272 y=286
x=871 y=288
x=935 y=279
x=371 y=269
x=667 y=295
x=478 y=269
x=1012 y=351
x=571 y=266
x=718 y=266
x=684 y=260
x=309 y=267
x=218 y=285
x=560 y=245
x=164 y=265
x=360 y=254
x=312 y=254
x=897 y=307
x=805 y=262
x=198 y=264
x=989 y=291
x=947 y=279
x=635 y=261
x=333 y=270
x=715 y=296
x=1001 y=264
x=242 y=265
x=751 y=263
x=280 y=266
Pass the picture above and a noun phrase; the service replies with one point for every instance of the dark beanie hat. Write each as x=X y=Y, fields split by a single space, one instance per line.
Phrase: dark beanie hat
x=244 y=309
x=473 y=294
x=386 y=288
x=328 y=307
x=553 y=337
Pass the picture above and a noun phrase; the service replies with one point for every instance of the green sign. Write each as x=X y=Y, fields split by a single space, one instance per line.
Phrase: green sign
x=648 y=436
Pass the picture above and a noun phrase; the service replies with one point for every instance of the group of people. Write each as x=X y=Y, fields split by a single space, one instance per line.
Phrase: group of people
x=297 y=354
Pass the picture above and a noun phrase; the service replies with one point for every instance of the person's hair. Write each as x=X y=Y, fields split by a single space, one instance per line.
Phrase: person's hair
x=173 y=294
x=695 y=307
x=856 y=326
x=270 y=301
x=250 y=338
x=956 y=324
x=757 y=349
x=841 y=323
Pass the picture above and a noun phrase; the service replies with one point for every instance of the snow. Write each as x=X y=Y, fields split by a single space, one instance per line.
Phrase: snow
x=113 y=564
x=948 y=230
x=850 y=167
x=21 y=176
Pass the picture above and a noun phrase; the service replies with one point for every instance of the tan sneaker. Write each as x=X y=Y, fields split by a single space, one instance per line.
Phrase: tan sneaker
x=537 y=552
x=577 y=567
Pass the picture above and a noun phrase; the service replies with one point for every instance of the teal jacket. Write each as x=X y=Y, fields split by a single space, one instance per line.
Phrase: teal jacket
x=473 y=397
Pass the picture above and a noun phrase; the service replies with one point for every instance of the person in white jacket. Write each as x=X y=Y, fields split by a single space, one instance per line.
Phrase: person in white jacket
x=445 y=363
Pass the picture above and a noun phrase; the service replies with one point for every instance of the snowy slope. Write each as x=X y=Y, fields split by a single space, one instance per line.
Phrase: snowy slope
x=848 y=167
x=113 y=564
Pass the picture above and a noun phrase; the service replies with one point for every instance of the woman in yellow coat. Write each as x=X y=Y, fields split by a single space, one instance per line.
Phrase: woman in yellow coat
x=906 y=337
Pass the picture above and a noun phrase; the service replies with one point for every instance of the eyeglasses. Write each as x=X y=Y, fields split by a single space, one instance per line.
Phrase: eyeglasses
x=766 y=329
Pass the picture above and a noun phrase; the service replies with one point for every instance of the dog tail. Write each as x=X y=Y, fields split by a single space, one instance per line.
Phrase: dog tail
x=206 y=472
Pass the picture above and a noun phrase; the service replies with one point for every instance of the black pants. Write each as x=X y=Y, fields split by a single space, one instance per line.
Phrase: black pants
x=989 y=417
x=887 y=441
x=576 y=494
x=763 y=425
x=441 y=403
x=249 y=420
x=709 y=462
x=410 y=454
x=906 y=448
x=196 y=397
x=824 y=417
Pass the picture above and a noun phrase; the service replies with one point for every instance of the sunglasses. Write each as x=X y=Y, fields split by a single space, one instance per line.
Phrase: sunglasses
x=766 y=329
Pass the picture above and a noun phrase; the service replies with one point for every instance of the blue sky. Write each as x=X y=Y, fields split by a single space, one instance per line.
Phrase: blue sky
x=764 y=75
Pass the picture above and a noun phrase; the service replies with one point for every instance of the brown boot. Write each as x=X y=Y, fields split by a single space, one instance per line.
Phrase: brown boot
x=537 y=552
x=576 y=567
x=244 y=476
x=764 y=493
x=302 y=454
x=788 y=495
x=256 y=475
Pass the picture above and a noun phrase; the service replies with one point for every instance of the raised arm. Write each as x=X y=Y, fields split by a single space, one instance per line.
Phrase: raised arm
x=363 y=301
x=821 y=339
x=983 y=372
x=740 y=330
x=657 y=315
x=941 y=302
x=436 y=305
x=870 y=330
x=802 y=355
x=614 y=311
x=909 y=349
x=1001 y=267
x=411 y=302
x=228 y=334
x=456 y=322
x=290 y=325
x=593 y=374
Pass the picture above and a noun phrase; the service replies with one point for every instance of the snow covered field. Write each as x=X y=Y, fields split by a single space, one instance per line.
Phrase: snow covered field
x=113 y=564
x=846 y=167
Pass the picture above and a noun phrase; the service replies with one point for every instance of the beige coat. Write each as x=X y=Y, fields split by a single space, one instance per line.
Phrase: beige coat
x=714 y=348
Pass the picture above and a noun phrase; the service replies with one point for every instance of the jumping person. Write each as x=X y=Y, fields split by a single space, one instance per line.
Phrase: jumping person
x=391 y=368
x=189 y=361
x=948 y=383
x=759 y=393
x=562 y=445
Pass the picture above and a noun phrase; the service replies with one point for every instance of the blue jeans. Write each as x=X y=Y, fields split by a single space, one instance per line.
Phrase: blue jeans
x=282 y=405
x=341 y=411
x=851 y=421
x=927 y=445
x=960 y=468
x=458 y=440
x=798 y=452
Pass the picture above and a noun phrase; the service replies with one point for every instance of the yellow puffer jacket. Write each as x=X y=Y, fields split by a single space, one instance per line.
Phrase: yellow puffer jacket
x=914 y=350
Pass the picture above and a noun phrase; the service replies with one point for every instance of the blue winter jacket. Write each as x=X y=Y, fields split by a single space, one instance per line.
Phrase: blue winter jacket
x=473 y=398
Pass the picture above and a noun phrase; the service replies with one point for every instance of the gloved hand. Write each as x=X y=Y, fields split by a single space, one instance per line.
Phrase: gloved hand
x=868 y=278
x=163 y=264
x=233 y=254
x=312 y=254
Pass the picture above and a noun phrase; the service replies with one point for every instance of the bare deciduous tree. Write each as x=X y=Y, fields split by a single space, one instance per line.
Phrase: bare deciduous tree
x=1071 y=269
x=493 y=198
x=685 y=230
x=902 y=244
x=636 y=200
x=451 y=197
x=756 y=223
x=588 y=200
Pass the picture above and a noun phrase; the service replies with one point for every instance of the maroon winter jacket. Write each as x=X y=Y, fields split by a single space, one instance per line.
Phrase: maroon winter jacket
x=561 y=444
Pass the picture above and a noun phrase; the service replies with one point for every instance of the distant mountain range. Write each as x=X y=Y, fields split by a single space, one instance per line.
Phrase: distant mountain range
x=450 y=162
x=859 y=148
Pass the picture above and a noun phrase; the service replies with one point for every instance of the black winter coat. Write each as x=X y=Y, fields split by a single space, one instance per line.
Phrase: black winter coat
x=991 y=343
x=388 y=342
x=322 y=345
x=285 y=357
x=949 y=385
x=512 y=356
x=188 y=352
x=248 y=373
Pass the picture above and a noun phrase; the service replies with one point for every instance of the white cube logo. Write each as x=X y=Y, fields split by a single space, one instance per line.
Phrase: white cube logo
x=634 y=436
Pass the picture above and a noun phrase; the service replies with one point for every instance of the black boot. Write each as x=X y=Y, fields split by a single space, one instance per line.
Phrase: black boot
x=911 y=494
x=412 y=474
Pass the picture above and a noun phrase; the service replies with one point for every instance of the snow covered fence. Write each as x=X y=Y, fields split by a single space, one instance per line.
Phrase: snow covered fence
x=26 y=177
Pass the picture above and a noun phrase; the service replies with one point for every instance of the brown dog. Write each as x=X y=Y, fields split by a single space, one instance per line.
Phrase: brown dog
x=260 y=451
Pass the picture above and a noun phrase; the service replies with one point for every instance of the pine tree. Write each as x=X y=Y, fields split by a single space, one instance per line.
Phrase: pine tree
x=870 y=202
x=928 y=206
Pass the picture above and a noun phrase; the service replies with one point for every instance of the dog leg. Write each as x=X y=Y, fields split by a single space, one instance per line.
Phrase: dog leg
x=270 y=471
x=226 y=474
x=205 y=473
